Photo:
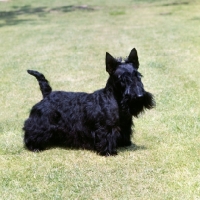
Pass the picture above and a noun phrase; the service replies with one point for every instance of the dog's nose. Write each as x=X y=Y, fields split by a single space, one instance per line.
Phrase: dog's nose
x=140 y=92
x=139 y=95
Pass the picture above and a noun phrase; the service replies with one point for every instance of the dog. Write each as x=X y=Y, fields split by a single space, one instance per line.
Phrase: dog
x=100 y=121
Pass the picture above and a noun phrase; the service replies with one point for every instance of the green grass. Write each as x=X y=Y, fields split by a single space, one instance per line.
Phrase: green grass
x=67 y=42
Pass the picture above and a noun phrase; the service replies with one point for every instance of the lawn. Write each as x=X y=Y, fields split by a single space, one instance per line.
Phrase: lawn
x=67 y=41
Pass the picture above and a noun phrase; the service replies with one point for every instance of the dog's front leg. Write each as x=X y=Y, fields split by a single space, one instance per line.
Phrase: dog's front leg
x=106 y=141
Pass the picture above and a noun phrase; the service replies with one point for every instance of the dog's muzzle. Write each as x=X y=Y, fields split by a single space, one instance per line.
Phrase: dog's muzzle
x=137 y=92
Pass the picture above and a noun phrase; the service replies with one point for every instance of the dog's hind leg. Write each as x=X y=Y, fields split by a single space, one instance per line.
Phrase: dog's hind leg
x=35 y=141
x=38 y=133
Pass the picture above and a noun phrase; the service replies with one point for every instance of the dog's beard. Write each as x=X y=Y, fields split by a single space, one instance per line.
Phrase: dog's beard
x=135 y=106
x=149 y=101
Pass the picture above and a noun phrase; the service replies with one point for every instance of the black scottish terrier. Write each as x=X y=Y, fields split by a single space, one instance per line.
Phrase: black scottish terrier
x=99 y=121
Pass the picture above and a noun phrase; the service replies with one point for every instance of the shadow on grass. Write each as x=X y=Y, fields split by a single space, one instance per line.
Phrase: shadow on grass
x=11 y=17
x=133 y=147
x=176 y=3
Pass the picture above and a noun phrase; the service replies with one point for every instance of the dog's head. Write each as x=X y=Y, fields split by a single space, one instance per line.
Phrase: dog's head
x=127 y=84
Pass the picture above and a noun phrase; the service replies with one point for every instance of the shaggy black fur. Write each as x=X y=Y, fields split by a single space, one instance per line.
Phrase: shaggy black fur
x=99 y=121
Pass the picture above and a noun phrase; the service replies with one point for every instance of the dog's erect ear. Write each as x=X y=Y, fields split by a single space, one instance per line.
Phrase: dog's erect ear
x=133 y=58
x=111 y=63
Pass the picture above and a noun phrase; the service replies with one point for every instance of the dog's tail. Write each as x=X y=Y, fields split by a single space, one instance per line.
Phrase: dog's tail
x=44 y=84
